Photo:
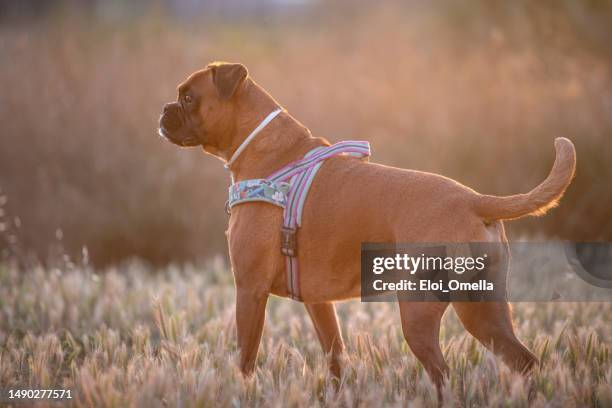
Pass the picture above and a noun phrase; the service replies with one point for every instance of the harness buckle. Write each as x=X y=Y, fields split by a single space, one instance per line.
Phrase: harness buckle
x=289 y=241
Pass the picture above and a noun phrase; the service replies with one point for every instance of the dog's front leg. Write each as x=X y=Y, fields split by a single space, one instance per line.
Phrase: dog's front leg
x=250 y=316
x=325 y=322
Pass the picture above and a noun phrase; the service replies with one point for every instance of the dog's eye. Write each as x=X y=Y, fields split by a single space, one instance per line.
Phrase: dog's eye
x=188 y=99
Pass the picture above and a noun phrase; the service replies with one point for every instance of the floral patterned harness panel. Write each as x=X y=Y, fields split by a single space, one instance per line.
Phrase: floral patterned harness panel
x=273 y=192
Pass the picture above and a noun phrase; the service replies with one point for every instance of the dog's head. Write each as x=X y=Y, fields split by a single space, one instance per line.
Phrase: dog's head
x=205 y=108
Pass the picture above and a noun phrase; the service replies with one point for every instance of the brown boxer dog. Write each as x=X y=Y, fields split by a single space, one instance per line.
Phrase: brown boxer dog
x=350 y=202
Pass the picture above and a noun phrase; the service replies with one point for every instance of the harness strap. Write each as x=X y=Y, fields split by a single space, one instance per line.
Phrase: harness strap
x=353 y=148
x=288 y=188
x=301 y=174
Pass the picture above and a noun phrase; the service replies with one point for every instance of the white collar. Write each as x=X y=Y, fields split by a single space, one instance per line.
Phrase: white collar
x=250 y=137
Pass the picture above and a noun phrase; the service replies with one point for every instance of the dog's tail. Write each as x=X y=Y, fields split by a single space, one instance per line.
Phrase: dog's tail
x=540 y=199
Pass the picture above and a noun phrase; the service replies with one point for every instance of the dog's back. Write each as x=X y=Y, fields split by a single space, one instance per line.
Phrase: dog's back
x=356 y=202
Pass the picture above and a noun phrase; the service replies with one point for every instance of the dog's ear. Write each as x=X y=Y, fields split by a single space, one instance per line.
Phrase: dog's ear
x=227 y=78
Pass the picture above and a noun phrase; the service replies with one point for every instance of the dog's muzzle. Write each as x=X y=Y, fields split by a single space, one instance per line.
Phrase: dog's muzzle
x=172 y=126
x=171 y=119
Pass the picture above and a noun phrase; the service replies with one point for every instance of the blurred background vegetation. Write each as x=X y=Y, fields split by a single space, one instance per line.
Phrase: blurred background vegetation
x=475 y=90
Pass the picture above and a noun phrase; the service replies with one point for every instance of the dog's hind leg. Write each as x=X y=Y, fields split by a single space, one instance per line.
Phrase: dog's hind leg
x=421 y=328
x=325 y=321
x=491 y=324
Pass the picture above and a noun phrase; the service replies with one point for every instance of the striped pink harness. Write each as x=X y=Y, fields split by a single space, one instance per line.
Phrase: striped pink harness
x=288 y=188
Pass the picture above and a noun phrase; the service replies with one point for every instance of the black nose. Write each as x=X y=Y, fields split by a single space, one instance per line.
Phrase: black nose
x=171 y=118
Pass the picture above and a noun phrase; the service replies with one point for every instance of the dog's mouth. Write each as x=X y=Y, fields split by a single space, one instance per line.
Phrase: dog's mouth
x=189 y=141
x=162 y=133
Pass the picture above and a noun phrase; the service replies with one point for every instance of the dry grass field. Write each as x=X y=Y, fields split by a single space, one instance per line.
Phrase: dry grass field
x=131 y=337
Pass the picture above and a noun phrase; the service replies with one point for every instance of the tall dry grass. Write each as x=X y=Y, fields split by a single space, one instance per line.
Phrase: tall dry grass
x=134 y=337
x=474 y=91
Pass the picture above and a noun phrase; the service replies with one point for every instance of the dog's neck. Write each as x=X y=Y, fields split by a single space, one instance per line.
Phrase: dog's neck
x=282 y=141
